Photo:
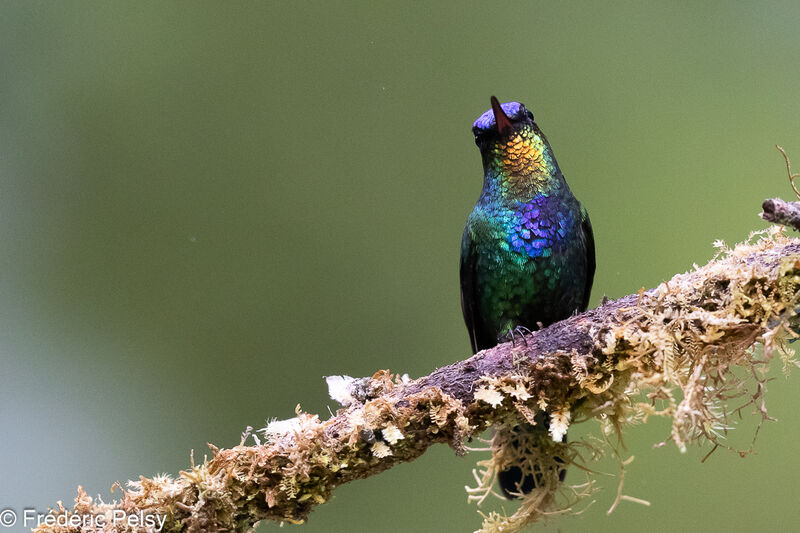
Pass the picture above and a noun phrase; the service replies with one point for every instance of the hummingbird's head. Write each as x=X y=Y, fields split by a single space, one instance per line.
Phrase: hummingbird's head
x=501 y=120
x=511 y=142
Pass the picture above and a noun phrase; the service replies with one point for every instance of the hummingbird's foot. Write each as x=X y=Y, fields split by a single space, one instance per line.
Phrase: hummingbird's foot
x=522 y=331
x=512 y=334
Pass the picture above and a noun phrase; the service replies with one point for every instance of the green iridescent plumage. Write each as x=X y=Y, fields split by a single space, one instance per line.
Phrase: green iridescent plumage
x=527 y=255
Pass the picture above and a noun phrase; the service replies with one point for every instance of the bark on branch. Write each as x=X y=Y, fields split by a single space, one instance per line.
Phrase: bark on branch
x=668 y=350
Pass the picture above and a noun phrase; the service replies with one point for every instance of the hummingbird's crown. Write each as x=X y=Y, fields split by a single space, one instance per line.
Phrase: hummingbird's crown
x=485 y=122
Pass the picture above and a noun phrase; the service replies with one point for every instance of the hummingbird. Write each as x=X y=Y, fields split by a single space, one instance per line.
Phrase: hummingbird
x=527 y=253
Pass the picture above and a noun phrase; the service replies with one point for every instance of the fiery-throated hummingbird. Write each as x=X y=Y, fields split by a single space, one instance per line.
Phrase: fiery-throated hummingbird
x=527 y=255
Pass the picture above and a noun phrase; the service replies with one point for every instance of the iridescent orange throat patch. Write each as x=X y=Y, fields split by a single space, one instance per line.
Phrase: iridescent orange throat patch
x=522 y=154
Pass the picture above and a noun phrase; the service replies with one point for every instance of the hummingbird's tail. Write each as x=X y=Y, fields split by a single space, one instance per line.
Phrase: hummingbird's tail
x=529 y=458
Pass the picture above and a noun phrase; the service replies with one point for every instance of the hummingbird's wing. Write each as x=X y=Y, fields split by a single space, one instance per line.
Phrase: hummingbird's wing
x=468 y=286
x=588 y=243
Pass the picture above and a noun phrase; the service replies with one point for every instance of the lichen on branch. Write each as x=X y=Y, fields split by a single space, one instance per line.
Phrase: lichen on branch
x=668 y=351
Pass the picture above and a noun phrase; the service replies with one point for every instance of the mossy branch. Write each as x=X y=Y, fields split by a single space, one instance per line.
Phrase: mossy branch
x=669 y=350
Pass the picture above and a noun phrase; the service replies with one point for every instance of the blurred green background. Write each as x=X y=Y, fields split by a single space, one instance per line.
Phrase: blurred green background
x=205 y=208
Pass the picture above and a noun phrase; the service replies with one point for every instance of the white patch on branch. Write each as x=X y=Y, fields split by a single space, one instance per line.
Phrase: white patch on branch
x=559 y=423
x=276 y=428
x=391 y=434
x=381 y=449
x=489 y=395
x=339 y=389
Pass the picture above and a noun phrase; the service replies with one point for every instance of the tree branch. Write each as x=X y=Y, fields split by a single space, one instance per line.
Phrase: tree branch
x=676 y=343
x=782 y=212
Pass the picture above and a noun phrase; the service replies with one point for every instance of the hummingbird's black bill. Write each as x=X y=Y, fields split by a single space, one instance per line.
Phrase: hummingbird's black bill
x=500 y=117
